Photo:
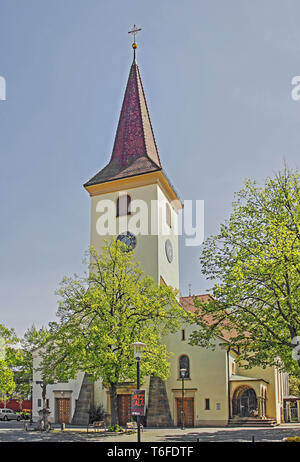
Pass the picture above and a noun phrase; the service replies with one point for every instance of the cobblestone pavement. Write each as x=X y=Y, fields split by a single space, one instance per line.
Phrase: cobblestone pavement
x=15 y=433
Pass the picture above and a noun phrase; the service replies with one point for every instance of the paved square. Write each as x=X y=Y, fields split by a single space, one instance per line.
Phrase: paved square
x=14 y=432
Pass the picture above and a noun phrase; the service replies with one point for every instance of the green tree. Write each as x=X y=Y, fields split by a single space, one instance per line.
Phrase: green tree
x=254 y=262
x=101 y=314
x=16 y=361
x=23 y=368
x=9 y=356
x=7 y=384
x=294 y=386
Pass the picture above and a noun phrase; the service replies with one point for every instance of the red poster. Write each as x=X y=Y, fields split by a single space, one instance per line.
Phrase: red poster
x=138 y=402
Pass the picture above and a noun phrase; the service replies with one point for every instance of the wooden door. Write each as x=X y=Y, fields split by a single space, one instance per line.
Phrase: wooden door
x=63 y=407
x=124 y=409
x=188 y=412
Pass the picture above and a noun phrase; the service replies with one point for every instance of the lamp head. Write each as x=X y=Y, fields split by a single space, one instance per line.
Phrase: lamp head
x=138 y=348
x=182 y=372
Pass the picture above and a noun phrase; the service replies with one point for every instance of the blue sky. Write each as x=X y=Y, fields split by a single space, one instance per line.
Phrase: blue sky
x=217 y=77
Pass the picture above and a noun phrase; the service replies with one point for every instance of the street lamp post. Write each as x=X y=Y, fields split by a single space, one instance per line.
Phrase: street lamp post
x=31 y=399
x=182 y=374
x=138 y=347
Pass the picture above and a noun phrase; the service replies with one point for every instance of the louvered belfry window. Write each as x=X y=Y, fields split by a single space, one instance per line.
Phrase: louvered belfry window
x=123 y=205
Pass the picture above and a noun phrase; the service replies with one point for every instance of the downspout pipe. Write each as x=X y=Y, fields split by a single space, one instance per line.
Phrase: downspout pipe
x=228 y=385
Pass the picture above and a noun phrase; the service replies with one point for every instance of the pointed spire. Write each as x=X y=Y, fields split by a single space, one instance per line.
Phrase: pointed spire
x=134 y=137
x=134 y=150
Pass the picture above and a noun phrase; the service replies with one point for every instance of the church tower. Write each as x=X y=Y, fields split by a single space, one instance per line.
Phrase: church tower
x=132 y=198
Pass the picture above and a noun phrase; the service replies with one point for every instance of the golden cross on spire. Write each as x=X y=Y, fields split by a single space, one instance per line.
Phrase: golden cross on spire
x=134 y=31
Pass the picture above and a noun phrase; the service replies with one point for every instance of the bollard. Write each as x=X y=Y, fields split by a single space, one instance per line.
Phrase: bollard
x=253 y=439
x=63 y=426
x=25 y=427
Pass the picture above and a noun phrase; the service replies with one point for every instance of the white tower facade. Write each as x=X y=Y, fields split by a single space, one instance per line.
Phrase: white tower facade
x=131 y=198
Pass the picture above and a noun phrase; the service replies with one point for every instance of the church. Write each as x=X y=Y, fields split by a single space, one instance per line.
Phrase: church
x=218 y=392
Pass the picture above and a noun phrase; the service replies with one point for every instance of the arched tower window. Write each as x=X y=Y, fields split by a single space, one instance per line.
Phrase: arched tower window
x=184 y=363
x=123 y=205
x=168 y=215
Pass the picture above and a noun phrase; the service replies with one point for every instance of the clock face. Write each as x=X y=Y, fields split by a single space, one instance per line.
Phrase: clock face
x=169 y=250
x=128 y=239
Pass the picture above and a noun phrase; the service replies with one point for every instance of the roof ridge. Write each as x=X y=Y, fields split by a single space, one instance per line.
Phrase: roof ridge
x=149 y=119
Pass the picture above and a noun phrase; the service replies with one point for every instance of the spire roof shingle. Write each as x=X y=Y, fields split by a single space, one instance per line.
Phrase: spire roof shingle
x=134 y=151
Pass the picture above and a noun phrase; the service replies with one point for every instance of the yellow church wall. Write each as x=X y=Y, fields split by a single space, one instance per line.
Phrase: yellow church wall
x=208 y=380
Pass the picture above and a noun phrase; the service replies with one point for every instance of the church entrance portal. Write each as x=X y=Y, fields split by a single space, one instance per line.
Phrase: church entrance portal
x=188 y=412
x=244 y=402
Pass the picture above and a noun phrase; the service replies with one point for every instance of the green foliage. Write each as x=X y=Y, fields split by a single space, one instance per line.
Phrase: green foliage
x=105 y=311
x=16 y=366
x=7 y=384
x=254 y=262
x=115 y=428
x=33 y=339
x=9 y=340
x=9 y=357
x=96 y=413
x=294 y=383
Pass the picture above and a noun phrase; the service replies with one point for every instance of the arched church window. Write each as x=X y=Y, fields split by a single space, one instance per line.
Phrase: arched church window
x=123 y=205
x=168 y=215
x=184 y=363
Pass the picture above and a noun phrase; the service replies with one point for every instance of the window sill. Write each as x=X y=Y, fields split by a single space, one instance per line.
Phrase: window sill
x=123 y=215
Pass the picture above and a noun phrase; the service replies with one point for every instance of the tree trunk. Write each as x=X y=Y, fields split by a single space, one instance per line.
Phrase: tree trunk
x=45 y=410
x=113 y=404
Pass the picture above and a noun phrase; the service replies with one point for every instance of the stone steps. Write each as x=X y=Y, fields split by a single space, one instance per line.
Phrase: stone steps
x=252 y=422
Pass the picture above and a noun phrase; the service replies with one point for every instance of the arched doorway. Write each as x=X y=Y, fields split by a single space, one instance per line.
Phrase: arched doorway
x=244 y=402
